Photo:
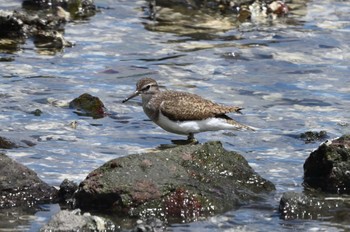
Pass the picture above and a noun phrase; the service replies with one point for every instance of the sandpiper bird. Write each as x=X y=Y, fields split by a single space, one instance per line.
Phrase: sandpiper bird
x=184 y=113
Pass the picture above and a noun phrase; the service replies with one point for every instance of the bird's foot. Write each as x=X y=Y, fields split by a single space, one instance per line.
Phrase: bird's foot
x=177 y=142
x=190 y=140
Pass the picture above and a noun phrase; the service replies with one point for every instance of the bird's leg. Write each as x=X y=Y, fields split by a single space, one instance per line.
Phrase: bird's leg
x=191 y=139
x=190 y=136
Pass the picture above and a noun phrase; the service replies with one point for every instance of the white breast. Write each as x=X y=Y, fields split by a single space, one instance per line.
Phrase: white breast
x=186 y=127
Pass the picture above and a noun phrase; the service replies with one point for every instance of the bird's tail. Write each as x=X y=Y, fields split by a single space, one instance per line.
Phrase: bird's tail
x=237 y=109
x=241 y=126
x=238 y=126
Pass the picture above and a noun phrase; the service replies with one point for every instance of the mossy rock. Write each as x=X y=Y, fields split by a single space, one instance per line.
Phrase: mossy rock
x=185 y=183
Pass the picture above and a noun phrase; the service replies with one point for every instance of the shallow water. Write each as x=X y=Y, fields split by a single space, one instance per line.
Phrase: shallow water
x=291 y=76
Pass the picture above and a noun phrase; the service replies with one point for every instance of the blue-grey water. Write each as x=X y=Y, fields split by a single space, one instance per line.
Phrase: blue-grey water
x=290 y=75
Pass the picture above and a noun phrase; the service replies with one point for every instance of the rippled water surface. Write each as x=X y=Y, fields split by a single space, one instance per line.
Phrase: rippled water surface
x=290 y=75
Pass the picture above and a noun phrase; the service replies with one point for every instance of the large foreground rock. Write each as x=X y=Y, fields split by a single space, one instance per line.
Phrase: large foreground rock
x=20 y=186
x=180 y=184
x=328 y=167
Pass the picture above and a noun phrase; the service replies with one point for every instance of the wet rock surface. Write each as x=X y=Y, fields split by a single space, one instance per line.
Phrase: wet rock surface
x=327 y=168
x=43 y=21
x=314 y=206
x=88 y=105
x=66 y=191
x=199 y=18
x=16 y=216
x=243 y=9
x=20 y=186
x=327 y=184
x=180 y=184
x=151 y=224
x=313 y=136
x=77 y=8
x=6 y=143
x=45 y=28
x=76 y=221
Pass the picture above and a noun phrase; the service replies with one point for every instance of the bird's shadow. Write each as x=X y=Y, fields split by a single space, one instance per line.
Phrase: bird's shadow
x=177 y=142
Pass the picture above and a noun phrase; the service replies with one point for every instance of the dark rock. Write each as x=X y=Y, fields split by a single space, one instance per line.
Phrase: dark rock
x=20 y=186
x=73 y=221
x=312 y=136
x=11 y=27
x=36 y=112
x=42 y=20
x=76 y=8
x=327 y=168
x=88 y=105
x=314 y=206
x=184 y=183
x=6 y=143
x=66 y=191
x=6 y=58
x=43 y=27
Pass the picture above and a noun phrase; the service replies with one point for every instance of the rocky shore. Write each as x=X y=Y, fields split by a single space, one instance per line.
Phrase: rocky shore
x=147 y=192
x=182 y=184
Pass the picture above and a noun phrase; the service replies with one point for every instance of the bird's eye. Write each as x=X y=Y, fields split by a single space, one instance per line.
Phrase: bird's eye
x=147 y=88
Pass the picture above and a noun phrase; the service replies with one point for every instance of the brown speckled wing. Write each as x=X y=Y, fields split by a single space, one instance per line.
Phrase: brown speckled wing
x=181 y=106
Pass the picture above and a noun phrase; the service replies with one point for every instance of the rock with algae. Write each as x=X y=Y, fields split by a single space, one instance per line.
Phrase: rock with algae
x=176 y=185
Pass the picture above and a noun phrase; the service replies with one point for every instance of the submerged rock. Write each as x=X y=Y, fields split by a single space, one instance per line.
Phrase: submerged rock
x=312 y=136
x=88 y=105
x=51 y=40
x=6 y=143
x=75 y=221
x=314 y=206
x=328 y=167
x=20 y=186
x=204 y=19
x=181 y=184
x=243 y=9
x=36 y=112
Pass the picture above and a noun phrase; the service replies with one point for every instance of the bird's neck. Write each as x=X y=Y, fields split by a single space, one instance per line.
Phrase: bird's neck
x=146 y=97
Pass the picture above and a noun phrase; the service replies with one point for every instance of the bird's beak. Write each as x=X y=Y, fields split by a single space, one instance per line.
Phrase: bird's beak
x=136 y=93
